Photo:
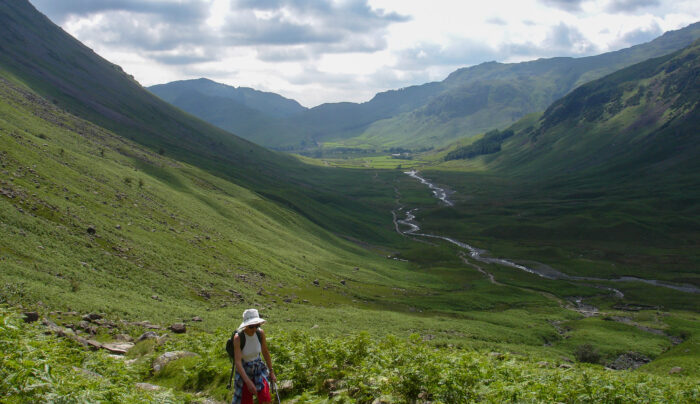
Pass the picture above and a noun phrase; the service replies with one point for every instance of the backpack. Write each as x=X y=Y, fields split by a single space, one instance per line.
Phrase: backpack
x=241 y=337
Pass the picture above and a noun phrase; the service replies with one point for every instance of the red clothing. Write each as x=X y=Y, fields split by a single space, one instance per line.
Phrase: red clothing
x=263 y=395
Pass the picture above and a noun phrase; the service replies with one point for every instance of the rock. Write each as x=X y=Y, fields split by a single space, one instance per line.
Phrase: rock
x=118 y=347
x=357 y=268
x=342 y=282
x=497 y=355
x=330 y=384
x=147 y=386
x=86 y=372
x=197 y=319
x=178 y=328
x=674 y=370
x=316 y=282
x=629 y=360
x=285 y=385
x=543 y=364
x=314 y=326
x=94 y=345
x=91 y=230
x=124 y=338
x=147 y=335
x=91 y=317
x=565 y=366
x=118 y=227
x=168 y=357
x=209 y=400
x=305 y=301
x=156 y=298
x=287 y=300
x=30 y=316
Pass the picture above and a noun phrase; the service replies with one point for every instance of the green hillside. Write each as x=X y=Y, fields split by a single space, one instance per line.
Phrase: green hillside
x=63 y=70
x=120 y=214
x=603 y=182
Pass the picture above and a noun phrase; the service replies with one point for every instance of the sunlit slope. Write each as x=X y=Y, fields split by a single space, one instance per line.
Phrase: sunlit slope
x=73 y=77
x=93 y=222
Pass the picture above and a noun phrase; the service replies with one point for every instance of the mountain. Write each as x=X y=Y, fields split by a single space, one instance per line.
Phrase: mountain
x=73 y=77
x=468 y=102
x=604 y=181
x=494 y=95
x=268 y=103
x=274 y=121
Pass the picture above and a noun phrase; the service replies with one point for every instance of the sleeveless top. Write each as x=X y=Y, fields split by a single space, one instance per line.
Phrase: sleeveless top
x=252 y=348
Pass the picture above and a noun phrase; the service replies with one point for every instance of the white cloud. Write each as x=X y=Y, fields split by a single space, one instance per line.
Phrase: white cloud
x=347 y=50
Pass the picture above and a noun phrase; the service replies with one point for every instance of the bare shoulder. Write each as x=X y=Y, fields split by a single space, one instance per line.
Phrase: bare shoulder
x=262 y=333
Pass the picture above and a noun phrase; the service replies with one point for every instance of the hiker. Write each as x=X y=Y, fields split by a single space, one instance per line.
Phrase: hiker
x=252 y=374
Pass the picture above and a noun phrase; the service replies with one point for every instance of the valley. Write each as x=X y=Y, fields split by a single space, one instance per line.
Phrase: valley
x=546 y=254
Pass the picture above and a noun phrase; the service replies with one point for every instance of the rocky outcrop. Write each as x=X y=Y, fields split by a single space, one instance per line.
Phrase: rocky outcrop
x=168 y=357
x=629 y=360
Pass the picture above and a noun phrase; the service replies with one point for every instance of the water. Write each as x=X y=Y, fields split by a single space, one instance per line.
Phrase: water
x=548 y=273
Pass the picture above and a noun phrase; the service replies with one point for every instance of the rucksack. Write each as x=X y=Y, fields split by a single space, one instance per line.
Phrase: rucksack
x=241 y=337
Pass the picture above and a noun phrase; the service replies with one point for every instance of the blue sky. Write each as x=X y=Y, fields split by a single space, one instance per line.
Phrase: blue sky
x=348 y=50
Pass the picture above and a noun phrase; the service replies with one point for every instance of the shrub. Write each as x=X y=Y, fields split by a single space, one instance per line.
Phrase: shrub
x=587 y=353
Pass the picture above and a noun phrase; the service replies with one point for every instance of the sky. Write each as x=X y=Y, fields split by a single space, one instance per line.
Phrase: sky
x=349 y=50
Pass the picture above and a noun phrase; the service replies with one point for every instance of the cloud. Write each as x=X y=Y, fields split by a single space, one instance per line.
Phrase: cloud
x=188 y=10
x=641 y=35
x=629 y=6
x=169 y=31
x=459 y=53
x=561 y=40
x=566 y=5
x=497 y=21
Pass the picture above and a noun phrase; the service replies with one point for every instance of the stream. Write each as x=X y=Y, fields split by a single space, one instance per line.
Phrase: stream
x=542 y=270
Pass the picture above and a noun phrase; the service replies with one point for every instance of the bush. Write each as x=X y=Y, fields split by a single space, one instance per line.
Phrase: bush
x=587 y=353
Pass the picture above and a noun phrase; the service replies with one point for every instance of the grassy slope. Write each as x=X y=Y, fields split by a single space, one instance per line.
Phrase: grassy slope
x=61 y=69
x=184 y=234
x=194 y=241
x=41 y=368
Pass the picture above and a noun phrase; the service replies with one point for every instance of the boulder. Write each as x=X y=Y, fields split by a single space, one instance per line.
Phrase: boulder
x=87 y=373
x=196 y=319
x=147 y=386
x=178 y=328
x=91 y=230
x=316 y=282
x=118 y=347
x=629 y=360
x=91 y=317
x=30 y=316
x=674 y=370
x=124 y=338
x=168 y=357
x=147 y=335
x=94 y=345
x=285 y=386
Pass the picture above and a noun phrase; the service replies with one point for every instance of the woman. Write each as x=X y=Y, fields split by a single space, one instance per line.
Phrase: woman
x=251 y=373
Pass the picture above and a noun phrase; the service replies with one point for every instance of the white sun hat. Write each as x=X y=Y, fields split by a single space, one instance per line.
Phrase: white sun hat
x=250 y=317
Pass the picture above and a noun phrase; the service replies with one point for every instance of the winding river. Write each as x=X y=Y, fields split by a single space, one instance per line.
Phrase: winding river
x=544 y=271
